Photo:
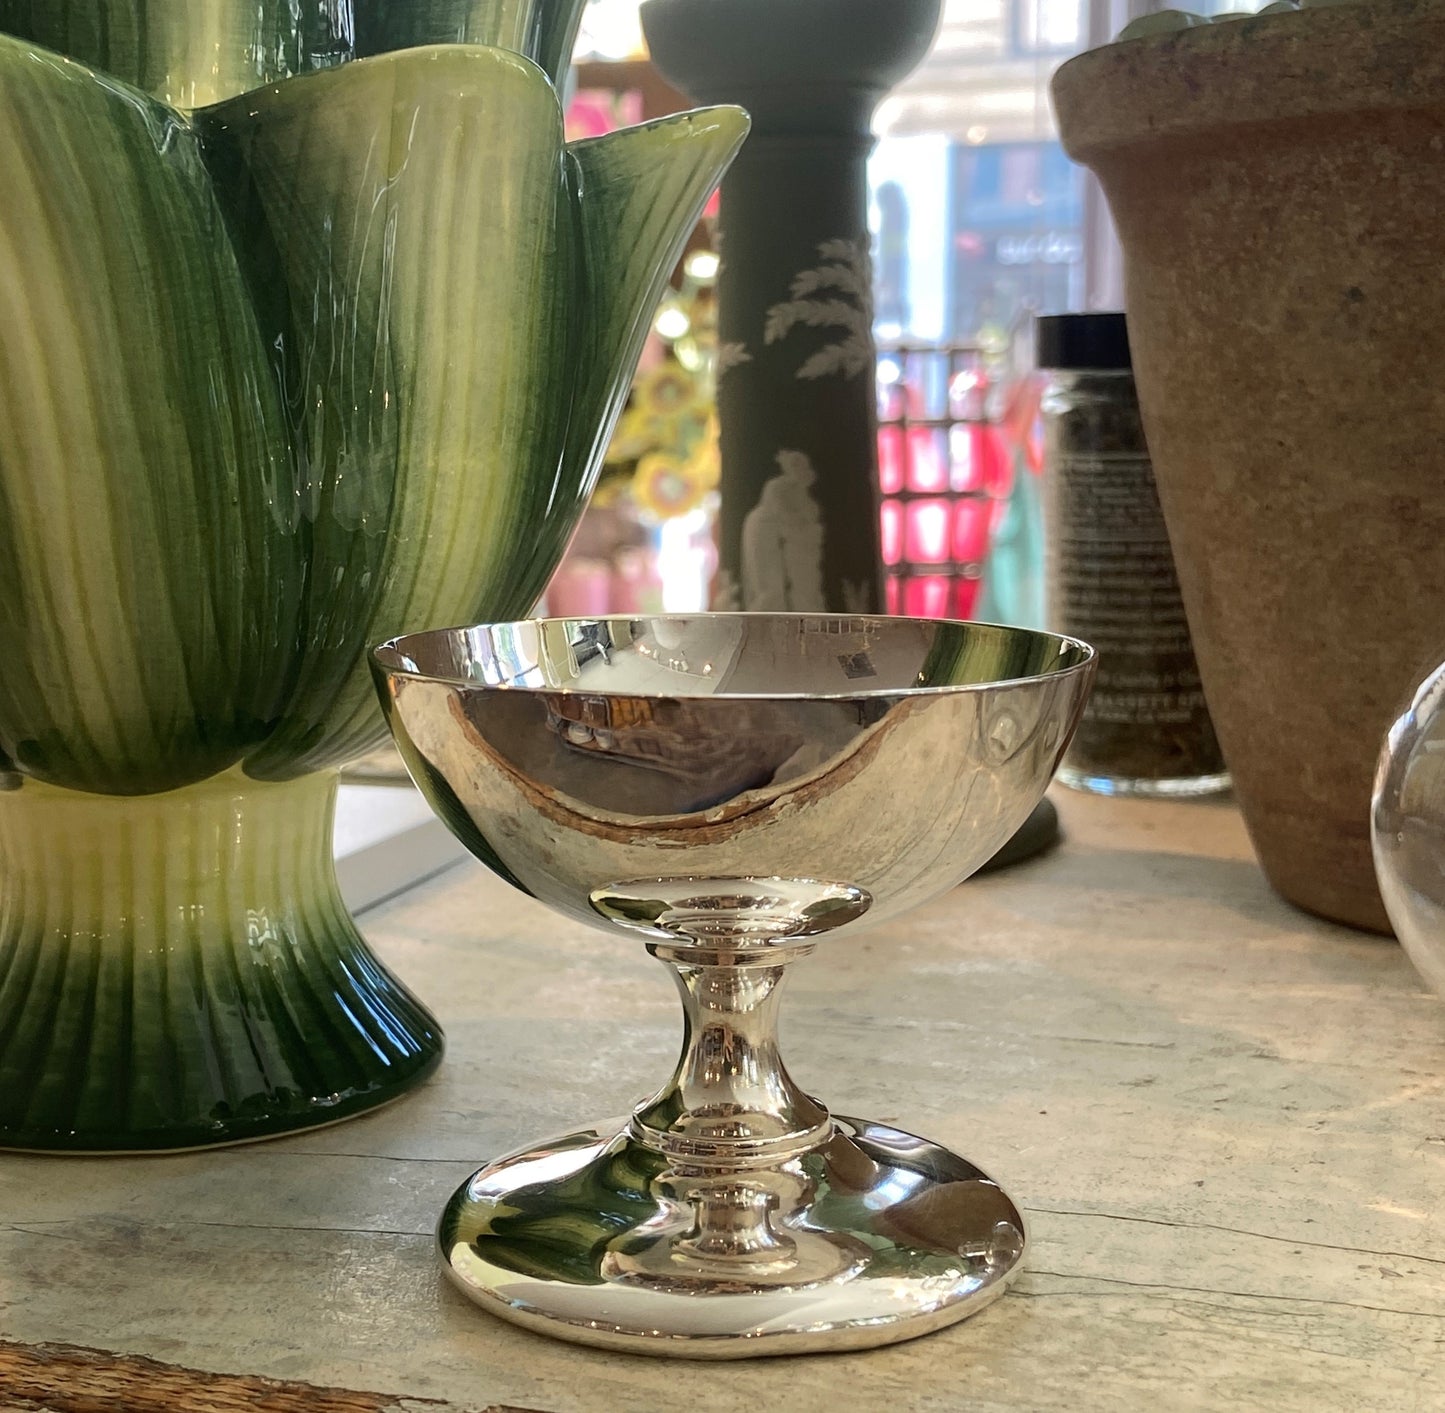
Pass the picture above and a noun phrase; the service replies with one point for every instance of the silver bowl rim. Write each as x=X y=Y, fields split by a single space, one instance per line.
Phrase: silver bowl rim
x=384 y=658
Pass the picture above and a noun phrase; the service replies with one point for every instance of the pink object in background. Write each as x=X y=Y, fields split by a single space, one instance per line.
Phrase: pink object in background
x=581 y=588
x=945 y=480
x=945 y=474
x=636 y=584
x=594 y=112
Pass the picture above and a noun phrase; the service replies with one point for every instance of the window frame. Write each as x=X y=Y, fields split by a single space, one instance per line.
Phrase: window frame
x=1019 y=46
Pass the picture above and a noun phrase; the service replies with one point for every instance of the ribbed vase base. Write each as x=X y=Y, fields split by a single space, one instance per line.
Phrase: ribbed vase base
x=120 y=1150
x=178 y=971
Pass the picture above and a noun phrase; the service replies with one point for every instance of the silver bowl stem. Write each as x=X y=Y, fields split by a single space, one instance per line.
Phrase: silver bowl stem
x=731 y=1215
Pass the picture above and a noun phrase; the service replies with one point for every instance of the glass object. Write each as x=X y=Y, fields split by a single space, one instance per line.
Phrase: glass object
x=1407 y=829
x=279 y=375
x=1111 y=577
x=732 y=788
x=978 y=217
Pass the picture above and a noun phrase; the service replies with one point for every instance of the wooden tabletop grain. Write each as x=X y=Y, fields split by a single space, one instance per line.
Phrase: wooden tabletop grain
x=1225 y=1122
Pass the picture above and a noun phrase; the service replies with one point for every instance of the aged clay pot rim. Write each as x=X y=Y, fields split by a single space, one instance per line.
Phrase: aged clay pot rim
x=1375 y=55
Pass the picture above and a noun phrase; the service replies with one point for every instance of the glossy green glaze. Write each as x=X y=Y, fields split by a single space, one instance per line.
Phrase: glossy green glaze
x=281 y=376
x=193 y=52
x=179 y=970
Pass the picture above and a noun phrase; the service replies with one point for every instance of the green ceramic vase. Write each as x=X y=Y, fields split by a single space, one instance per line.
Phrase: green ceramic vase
x=312 y=329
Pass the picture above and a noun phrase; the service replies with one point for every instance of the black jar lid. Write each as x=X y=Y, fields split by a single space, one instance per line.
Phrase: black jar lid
x=1085 y=341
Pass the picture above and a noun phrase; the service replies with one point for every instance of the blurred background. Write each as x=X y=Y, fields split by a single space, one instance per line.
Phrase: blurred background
x=979 y=221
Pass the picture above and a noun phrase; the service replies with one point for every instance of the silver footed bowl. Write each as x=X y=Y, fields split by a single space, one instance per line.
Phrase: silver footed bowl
x=732 y=787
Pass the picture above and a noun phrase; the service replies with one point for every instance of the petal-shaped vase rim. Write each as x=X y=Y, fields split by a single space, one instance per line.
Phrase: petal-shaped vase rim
x=389 y=659
x=721 y=114
x=434 y=52
x=1264 y=70
x=41 y=54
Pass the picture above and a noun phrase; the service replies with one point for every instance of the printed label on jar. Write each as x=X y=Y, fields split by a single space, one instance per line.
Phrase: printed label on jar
x=1112 y=583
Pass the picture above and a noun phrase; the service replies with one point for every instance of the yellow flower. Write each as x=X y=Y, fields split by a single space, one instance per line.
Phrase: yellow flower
x=705 y=464
x=666 y=389
x=641 y=430
x=609 y=492
x=664 y=487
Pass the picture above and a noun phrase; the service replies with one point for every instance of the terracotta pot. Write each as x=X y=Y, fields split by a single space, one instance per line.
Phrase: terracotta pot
x=1278 y=185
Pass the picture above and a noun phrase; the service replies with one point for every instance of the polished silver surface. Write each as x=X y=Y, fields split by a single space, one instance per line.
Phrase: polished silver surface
x=733 y=788
x=869 y=1237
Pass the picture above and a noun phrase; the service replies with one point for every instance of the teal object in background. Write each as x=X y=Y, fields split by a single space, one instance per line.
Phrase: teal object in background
x=1013 y=582
x=299 y=348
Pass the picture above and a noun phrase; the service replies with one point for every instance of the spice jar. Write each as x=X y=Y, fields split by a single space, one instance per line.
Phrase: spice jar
x=1146 y=729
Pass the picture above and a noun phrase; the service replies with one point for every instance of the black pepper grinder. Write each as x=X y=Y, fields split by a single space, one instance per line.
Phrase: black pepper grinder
x=1146 y=728
x=797 y=399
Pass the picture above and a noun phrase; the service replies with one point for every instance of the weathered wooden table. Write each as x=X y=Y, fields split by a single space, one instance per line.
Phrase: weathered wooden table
x=1226 y=1122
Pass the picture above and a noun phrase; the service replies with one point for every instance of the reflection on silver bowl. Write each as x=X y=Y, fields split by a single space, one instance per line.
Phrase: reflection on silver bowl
x=734 y=787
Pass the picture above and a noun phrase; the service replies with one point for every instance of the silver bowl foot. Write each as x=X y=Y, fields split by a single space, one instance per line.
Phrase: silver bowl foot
x=869 y=1237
